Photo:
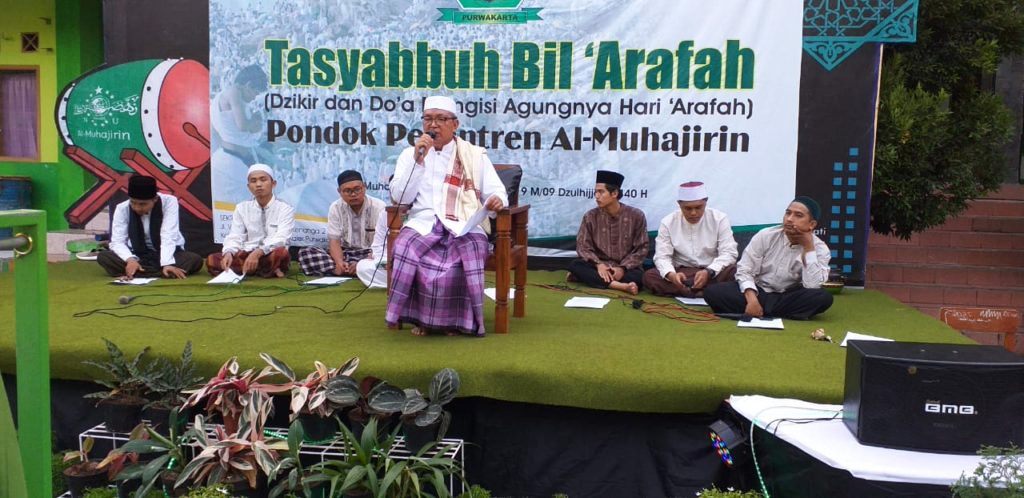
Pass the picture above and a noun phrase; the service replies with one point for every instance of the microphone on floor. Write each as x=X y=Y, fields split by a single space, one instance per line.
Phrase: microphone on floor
x=125 y=299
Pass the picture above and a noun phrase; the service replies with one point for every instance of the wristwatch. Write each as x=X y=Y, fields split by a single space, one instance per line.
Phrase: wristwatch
x=711 y=273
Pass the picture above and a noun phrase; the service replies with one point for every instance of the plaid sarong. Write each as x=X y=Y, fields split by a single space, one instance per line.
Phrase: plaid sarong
x=317 y=262
x=437 y=280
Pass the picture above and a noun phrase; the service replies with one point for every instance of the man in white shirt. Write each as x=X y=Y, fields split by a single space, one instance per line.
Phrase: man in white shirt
x=694 y=248
x=350 y=230
x=145 y=240
x=437 y=277
x=260 y=229
x=781 y=271
x=371 y=270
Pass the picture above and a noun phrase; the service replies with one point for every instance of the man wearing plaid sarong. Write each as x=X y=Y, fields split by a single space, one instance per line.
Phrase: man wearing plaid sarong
x=351 y=221
x=437 y=279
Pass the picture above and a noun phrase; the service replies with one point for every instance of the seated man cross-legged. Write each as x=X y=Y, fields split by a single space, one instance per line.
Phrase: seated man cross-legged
x=694 y=248
x=145 y=240
x=612 y=241
x=260 y=229
x=351 y=222
x=781 y=270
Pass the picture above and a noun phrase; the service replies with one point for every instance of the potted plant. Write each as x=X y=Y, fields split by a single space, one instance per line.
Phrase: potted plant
x=418 y=476
x=168 y=383
x=1000 y=473
x=424 y=419
x=230 y=394
x=122 y=402
x=118 y=459
x=84 y=473
x=359 y=474
x=377 y=400
x=292 y=478
x=234 y=459
x=368 y=470
x=168 y=459
x=315 y=398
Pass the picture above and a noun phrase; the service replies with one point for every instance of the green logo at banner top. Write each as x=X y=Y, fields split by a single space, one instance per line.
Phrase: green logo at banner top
x=490 y=4
x=489 y=12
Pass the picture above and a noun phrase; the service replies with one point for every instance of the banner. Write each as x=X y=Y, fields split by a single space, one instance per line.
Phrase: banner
x=662 y=91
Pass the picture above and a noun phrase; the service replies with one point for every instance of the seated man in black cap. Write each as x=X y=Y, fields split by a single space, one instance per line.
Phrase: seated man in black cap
x=612 y=242
x=781 y=270
x=144 y=237
x=351 y=223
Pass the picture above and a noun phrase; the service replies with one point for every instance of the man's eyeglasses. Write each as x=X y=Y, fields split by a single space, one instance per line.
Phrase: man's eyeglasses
x=437 y=119
x=352 y=191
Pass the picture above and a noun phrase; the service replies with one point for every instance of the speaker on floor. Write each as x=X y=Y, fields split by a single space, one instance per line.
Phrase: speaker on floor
x=946 y=398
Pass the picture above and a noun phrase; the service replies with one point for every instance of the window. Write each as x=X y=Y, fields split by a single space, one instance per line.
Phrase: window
x=30 y=42
x=19 y=113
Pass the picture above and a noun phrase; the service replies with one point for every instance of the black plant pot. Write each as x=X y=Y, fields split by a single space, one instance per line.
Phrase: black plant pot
x=79 y=479
x=317 y=428
x=384 y=427
x=416 y=437
x=240 y=487
x=159 y=417
x=122 y=415
x=167 y=483
x=125 y=489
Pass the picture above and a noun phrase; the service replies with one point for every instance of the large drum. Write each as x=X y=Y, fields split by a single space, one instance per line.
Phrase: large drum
x=140 y=105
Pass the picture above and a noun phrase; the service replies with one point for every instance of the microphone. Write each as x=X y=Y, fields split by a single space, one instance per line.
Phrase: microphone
x=421 y=150
x=125 y=299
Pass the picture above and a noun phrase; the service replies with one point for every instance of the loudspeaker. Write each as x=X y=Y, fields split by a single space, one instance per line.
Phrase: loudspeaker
x=946 y=398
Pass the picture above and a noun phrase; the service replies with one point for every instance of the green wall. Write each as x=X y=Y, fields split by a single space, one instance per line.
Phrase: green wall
x=75 y=35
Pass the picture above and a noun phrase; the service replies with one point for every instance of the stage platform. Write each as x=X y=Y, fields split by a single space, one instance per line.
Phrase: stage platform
x=616 y=358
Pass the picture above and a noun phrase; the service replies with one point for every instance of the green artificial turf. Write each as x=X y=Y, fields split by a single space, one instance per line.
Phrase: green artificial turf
x=617 y=358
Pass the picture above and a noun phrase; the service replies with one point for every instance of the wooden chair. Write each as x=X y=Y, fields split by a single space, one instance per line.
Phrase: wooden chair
x=507 y=260
x=984 y=320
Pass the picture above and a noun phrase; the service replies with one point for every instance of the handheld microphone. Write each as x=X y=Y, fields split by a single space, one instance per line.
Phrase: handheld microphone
x=421 y=151
x=125 y=299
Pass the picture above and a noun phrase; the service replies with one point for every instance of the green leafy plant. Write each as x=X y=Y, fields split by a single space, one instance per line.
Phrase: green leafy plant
x=377 y=399
x=227 y=457
x=364 y=465
x=57 y=466
x=1000 y=474
x=368 y=468
x=293 y=477
x=100 y=493
x=426 y=411
x=127 y=377
x=215 y=491
x=940 y=133
x=323 y=391
x=169 y=379
x=475 y=491
x=714 y=492
x=169 y=457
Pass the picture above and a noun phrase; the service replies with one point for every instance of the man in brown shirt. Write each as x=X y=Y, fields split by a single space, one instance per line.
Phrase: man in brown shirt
x=612 y=242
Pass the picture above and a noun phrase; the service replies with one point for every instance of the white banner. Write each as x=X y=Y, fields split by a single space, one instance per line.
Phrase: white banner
x=663 y=91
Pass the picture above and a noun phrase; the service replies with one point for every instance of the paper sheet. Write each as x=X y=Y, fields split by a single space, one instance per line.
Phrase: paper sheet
x=692 y=301
x=853 y=336
x=491 y=292
x=587 y=302
x=474 y=221
x=226 y=277
x=757 y=323
x=133 y=281
x=328 y=281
